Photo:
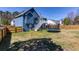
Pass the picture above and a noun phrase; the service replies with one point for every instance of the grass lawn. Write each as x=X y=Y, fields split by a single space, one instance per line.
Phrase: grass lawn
x=68 y=39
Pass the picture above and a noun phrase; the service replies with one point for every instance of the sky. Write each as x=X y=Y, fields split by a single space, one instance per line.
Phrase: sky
x=51 y=13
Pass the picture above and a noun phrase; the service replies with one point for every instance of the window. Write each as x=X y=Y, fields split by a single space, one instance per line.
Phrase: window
x=29 y=15
x=36 y=20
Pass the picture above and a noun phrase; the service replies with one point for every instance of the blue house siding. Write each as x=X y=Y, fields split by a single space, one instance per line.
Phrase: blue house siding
x=18 y=21
x=31 y=20
x=35 y=14
x=27 y=19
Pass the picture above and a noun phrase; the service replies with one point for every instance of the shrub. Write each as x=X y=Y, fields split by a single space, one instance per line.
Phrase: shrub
x=66 y=21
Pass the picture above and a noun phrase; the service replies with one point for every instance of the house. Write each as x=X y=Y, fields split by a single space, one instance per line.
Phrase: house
x=58 y=22
x=29 y=20
x=52 y=22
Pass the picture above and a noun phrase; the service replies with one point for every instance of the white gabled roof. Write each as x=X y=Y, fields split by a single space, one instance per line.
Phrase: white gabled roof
x=51 y=22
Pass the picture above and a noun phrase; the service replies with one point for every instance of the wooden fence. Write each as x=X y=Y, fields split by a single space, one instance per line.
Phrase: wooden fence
x=73 y=27
x=18 y=29
x=13 y=29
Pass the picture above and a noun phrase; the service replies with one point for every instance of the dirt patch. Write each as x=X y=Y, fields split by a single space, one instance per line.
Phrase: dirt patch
x=68 y=39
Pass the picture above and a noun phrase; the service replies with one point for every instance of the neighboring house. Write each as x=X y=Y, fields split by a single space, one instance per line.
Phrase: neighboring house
x=57 y=22
x=60 y=22
x=52 y=22
x=29 y=20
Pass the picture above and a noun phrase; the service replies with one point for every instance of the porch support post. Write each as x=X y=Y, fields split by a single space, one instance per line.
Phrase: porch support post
x=23 y=22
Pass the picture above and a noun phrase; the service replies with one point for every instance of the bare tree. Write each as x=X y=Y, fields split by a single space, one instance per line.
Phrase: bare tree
x=71 y=16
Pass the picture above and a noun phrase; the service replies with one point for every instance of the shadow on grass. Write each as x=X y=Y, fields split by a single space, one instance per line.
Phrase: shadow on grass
x=5 y=43
x=39 y=44
x=54 y=30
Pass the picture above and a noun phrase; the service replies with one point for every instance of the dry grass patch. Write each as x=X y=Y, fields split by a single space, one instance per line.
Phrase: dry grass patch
x=68 y=39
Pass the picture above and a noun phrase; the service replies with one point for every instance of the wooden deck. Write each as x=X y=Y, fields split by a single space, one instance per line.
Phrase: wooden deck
x=2 y=33
x=8 y=29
